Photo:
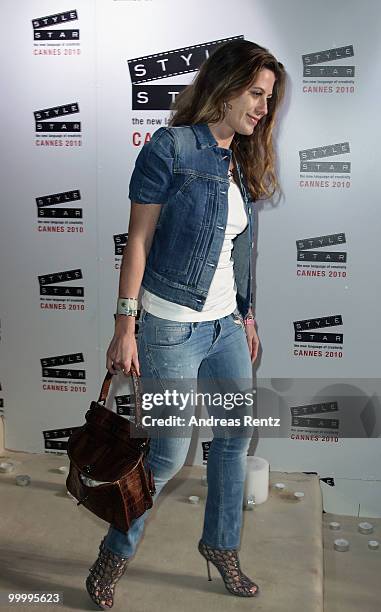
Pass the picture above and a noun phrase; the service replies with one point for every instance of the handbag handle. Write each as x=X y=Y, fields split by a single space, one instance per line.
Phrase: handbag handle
x=137 y=392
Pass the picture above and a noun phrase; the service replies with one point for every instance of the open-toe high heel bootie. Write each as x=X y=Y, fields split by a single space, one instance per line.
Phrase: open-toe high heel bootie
x=227 y=563
x=104 y=574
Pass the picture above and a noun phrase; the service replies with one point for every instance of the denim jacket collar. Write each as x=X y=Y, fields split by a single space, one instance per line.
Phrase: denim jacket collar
x=205 y=139
x=204 y=135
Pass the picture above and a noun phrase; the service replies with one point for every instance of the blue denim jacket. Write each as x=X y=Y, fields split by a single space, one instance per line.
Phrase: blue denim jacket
x=185 y=170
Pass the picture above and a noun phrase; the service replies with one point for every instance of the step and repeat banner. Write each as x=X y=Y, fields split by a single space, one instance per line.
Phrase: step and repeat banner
x=86 y=85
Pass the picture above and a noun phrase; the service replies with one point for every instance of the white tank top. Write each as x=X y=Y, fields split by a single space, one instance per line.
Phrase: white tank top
x=221 y=298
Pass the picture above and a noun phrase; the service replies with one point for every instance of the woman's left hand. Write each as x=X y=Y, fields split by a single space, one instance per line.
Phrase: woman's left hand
x=252 y=341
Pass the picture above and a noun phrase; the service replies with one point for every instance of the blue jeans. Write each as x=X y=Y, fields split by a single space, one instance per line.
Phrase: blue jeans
x=214 y=350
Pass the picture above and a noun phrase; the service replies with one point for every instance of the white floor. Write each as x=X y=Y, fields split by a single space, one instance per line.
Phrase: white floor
x=48 y=544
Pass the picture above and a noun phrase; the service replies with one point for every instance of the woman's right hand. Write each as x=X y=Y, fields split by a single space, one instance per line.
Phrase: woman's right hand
x=123 y=350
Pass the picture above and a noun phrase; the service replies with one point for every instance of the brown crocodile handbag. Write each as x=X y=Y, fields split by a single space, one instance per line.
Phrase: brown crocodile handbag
x=107 y=473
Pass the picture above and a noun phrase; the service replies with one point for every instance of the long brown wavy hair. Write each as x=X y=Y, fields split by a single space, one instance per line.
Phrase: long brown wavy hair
x=229 y=71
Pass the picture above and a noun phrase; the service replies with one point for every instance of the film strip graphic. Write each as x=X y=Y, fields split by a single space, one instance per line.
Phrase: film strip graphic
x=125 y=405
x=163 y=65
x=45 y=119
x=205 y=450
x=52 y=367
x=49 y=284
x=120 y=241
x=51 y=441
x=303 y=416
x=312 y=63
x=305 y=330
x=329 y=480
x=308 y=156
x=47 y=205
x=40 y=25
x=306 y=249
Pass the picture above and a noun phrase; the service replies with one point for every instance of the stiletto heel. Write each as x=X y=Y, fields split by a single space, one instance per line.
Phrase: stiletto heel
x=227 y=563
x=208 y=568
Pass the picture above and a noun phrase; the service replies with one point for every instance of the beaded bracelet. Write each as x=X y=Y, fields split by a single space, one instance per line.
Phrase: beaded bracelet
x=250 y=321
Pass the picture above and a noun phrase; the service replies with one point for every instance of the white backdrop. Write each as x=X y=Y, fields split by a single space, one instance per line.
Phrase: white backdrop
x=65 y=207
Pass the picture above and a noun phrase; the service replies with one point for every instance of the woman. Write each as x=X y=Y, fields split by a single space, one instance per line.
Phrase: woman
x=189 y=247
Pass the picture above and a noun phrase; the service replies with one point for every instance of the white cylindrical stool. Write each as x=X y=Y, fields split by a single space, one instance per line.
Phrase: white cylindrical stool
x=257 y=480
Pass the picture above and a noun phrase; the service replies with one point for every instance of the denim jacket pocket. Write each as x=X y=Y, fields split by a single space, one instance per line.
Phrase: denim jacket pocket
x=188 y=218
